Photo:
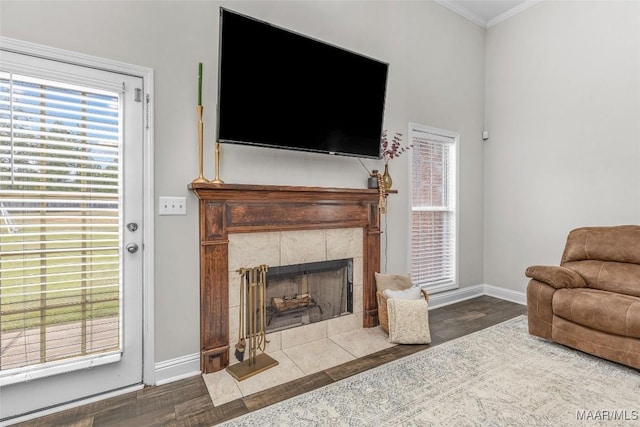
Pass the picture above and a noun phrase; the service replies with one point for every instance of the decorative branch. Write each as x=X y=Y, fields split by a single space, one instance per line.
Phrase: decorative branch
x=392 y=149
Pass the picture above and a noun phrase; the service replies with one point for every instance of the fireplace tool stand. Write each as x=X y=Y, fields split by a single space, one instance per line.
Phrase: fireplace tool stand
x=251 y=332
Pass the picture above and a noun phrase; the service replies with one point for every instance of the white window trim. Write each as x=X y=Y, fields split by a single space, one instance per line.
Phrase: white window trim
x=456 y=137
x=47 y=52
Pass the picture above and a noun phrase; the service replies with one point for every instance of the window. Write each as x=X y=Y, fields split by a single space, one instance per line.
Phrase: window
x=60 y=185
x=433 y=207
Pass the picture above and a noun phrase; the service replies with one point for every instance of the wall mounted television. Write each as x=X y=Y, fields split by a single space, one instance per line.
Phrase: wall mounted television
x=281 y=89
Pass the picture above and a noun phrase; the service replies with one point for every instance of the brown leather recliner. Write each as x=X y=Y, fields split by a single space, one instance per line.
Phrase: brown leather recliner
x=591 y=302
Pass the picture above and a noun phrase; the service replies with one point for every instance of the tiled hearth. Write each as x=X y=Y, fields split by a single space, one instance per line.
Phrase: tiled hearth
x=295 y=247
x=299 y=361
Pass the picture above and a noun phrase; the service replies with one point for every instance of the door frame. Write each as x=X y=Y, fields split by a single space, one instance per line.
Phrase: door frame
x=148 y=318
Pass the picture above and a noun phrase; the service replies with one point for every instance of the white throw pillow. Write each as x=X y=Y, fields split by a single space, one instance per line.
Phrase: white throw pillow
x=392 y=281
x=407 y=294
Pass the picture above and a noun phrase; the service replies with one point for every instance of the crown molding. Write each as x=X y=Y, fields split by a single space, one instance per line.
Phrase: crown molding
x=511 y=12
x=478 y=20
x=464 y=12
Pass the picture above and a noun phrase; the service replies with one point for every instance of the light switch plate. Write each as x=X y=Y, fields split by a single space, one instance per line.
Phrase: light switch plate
x=173 y=206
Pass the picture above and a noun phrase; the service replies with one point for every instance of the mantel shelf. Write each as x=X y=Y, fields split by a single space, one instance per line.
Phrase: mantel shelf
x=209 y=187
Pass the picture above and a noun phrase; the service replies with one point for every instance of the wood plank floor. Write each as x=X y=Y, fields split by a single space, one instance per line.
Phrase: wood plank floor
x=187 y=402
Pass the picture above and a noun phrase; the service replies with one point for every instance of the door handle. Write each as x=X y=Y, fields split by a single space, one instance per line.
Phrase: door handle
x=132 y=248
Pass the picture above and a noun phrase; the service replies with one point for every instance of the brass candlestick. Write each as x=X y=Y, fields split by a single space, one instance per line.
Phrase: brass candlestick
x=217 y=179
x=200 y=177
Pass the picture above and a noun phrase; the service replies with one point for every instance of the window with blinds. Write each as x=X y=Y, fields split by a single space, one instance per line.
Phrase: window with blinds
x=60 y=183
x=433 y=207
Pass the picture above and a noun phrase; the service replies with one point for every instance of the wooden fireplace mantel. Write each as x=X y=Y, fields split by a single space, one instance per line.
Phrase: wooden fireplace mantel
x=240 y=208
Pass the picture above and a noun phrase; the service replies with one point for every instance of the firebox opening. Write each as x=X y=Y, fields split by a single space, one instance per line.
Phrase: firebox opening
x=300 y=294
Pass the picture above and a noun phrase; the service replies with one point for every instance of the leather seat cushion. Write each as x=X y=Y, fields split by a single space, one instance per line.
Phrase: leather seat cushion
x=600 y=310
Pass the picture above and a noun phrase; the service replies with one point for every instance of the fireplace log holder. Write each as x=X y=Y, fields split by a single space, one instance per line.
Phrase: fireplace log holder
x=275 y=313
x=287 y=303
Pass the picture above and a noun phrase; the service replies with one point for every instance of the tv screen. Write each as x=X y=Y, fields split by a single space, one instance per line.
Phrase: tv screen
x=280 y=89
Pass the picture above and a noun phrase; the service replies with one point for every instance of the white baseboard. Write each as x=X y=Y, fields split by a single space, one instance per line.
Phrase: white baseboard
x=506 y=294
x=189 y=365
x=458 y=295
x=177 y=369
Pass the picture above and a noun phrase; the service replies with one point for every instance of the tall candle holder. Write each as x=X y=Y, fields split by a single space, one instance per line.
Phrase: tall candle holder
x=200 y=177
x=217 y=179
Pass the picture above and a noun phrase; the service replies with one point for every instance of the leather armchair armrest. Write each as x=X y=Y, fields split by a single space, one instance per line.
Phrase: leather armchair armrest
x=558 y=277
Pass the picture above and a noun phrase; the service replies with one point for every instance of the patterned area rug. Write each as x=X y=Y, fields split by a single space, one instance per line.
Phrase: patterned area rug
x=500 y=376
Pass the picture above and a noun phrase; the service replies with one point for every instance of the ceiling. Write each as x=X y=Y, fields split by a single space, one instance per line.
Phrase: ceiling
x=487 y=13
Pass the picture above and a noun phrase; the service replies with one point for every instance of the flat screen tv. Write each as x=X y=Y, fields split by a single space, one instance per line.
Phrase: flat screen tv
x=280 y=89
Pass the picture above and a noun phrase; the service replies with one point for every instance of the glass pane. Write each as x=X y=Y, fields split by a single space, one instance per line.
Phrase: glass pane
x=60 y=186
x=432 y=247
x=430 y=174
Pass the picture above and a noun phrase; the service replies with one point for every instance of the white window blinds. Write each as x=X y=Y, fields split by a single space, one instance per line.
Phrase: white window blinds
x=60 y=185
x=433 y=207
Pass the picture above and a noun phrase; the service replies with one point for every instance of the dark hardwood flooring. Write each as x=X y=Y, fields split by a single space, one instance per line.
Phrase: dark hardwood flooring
x=187 y=402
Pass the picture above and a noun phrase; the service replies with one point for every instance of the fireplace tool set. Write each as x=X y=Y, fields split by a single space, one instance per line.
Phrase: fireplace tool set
x=251 y=325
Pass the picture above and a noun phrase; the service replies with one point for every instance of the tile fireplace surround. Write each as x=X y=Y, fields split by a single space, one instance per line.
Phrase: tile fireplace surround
x=248 y=225
x=295 y=247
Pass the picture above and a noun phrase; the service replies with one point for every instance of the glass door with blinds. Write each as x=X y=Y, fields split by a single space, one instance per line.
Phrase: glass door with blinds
x=433 y=207
x=70 y=233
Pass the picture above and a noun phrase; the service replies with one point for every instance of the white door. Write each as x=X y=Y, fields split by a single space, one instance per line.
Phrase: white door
x=71 y=210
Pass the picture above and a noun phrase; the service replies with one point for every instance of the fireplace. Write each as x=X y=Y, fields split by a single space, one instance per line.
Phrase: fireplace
x=301 y=294
x=230 y=211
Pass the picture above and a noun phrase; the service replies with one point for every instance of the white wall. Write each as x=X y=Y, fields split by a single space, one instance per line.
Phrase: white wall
x=563 y=111
x=436 y=78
